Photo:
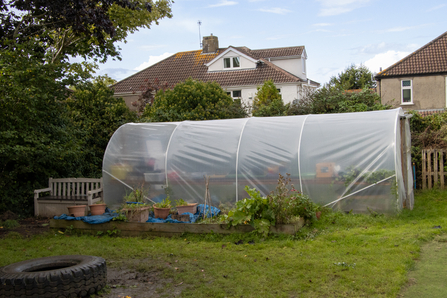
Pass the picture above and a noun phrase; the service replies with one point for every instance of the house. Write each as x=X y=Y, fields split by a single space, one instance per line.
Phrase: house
x=239 y=70
x=419 y=81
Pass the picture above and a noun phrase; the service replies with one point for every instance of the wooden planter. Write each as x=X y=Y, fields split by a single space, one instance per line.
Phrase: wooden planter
x=77 y=211
x=191 y=208
x=140 y=214
x=97 y=209
x=161 y=212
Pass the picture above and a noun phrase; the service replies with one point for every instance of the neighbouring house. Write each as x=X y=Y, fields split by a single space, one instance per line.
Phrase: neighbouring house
x=419 y=81
x=239 y=70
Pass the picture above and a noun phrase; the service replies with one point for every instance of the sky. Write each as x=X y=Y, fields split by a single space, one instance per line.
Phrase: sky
x=335 y=33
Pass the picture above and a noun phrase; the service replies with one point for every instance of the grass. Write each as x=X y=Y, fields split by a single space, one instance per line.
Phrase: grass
x=342 y=255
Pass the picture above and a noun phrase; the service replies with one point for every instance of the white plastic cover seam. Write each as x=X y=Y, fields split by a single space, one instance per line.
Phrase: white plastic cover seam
x=131 y=188
x=342 y=198
x=237 y=158
x=166 y=153
x=299 y=153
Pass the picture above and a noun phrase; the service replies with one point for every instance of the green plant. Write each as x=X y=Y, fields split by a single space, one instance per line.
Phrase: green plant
x=120 y=217
x=99 y=202
x=181 y=202
x=166 y=203
x=288 y=204
x=254 y=211
x=138 y=195
x=10 y=224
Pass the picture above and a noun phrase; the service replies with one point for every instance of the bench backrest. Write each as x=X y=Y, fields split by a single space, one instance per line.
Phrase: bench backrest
x=66 y=187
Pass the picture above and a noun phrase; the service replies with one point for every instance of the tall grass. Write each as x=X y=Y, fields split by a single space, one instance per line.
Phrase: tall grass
x=342 y=255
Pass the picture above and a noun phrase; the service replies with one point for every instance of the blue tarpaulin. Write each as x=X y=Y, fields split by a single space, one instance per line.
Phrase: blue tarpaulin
x=110 y=214
x=92 y=219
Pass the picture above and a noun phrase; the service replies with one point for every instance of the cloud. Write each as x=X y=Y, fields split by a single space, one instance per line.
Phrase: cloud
x=224 y=3
x=436 y=7
x=276 y=10
x=336 y=7
x=117 y=73
x=322 y=25
x=384 y=60
x=150 y=47
x=401 y=28
x=152 y=60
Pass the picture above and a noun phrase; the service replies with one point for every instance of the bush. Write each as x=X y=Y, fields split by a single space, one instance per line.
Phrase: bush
x=283 y=206
x=335 y=100
x=193 y=100
x=268 y=101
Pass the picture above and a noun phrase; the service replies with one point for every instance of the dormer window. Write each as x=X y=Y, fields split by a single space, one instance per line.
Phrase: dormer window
x=232 y=62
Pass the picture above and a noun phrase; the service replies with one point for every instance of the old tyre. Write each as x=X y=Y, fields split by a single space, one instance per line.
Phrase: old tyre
x=59 y=276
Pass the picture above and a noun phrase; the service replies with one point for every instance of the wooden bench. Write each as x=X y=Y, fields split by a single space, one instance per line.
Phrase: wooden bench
x=64 y=192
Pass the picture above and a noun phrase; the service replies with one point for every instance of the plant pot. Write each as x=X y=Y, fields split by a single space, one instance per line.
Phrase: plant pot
x=97 y=209
x=77 y=211
x=140 y=214
x=161 y=212
x=191 y=208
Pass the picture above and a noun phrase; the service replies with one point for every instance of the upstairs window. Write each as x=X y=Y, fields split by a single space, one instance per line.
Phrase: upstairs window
x=232 y=62
x=407 y=91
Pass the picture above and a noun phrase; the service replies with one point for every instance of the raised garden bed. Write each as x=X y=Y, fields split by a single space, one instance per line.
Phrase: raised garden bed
x=165 y=229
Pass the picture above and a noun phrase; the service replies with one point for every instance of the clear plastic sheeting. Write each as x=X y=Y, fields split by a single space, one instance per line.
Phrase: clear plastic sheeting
x=353 y=161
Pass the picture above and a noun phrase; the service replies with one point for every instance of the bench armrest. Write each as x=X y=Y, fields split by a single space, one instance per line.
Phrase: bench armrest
x=38 y=191
x=91 y=198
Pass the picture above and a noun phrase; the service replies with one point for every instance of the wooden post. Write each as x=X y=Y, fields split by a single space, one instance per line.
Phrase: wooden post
x=430 y=173
x=424 y=169
x=441 y=167
x=435 y=168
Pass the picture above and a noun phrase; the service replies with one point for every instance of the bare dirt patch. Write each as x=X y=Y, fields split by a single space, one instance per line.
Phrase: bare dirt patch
x=28 y=226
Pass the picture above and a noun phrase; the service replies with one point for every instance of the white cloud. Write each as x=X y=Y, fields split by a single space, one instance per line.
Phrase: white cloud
x=436 y=7
x=152 y=60
x=276 y=10
x=384 y=60
x=336 y=7
x=322 y=25
x=224 y=3
x=150 y=47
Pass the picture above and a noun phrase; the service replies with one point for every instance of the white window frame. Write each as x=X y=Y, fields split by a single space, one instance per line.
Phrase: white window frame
x=231 y=62
x=402 y=88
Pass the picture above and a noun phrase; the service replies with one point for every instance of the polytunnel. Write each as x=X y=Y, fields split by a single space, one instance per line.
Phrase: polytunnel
x=351 y=161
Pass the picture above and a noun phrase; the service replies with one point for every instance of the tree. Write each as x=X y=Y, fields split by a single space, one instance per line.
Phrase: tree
x=193 y=100
x=334 y=100
x=268 y=101
x=353 y=77
x=38 y=140
x=77 y=27
x=97 y=115
x=148 y=93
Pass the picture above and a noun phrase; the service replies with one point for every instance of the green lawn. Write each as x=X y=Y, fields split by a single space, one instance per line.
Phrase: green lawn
x=342 y=255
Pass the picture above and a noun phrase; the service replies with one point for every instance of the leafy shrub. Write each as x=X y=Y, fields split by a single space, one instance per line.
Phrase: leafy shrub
x=284 y=205
x=193 y=100
x=268 y=101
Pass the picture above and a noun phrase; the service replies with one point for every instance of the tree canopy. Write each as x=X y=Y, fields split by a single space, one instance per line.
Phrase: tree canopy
x=268 y=101
x=353 y=77
x=334 y=100
x=77 y=27
x=193 y=100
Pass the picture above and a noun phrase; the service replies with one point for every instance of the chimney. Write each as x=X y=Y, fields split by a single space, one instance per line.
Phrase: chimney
x=210 y=44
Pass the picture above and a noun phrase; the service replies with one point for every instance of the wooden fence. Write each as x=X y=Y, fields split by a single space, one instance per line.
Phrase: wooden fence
x=433 y=173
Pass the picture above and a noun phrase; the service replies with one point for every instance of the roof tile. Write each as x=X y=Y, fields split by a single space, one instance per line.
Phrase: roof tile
x=180 y=66
x=430 y=59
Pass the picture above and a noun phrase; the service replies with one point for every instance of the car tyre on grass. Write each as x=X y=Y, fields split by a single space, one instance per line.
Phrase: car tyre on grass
x=54 y=277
